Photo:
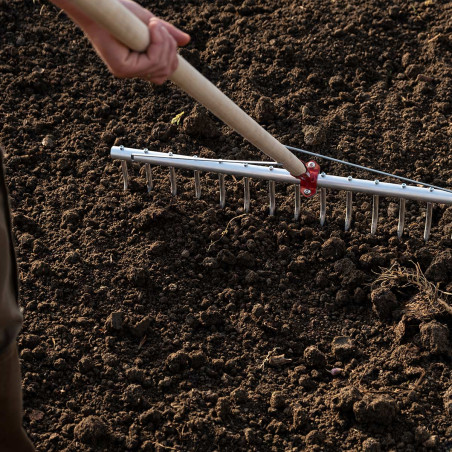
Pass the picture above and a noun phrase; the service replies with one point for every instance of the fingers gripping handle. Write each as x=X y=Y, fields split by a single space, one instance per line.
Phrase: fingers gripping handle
x=128 y=29
x=118 y=20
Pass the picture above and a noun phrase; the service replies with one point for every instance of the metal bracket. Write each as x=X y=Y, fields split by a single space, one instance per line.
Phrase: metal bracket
x=308 y=180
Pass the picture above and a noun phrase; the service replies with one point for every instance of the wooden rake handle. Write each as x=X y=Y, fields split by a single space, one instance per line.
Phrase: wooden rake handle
x=132 y=32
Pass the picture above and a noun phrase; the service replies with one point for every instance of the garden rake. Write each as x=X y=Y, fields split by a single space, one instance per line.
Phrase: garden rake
x=306 y=177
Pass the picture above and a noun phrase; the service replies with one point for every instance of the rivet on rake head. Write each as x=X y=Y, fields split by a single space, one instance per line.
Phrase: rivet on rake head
x=270 y=168
x=349 y=178
x=146 y=151
x=376 y=181
x=306 y=191
x=403 y=185
x=322 y=175
x=245 y=165
x=121 y=148
x=170 y=154
x=431 y=189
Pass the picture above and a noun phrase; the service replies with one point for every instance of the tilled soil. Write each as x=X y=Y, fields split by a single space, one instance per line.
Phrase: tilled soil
x=164 y=323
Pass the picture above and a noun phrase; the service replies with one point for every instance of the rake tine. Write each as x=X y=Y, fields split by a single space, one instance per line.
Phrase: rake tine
x=297 y=202
x=271 y=193
x=428 y=221
x=197 y=185
x=173 y=181
x=348 y=210
x=401 y=224
x=149 y=182
x=322 y=206
x=375 y=205
x=246 y=194
x=222 y=191
x=125 y=174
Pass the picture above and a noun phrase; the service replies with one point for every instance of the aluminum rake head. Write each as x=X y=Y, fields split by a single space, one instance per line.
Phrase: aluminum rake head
x=270 y=171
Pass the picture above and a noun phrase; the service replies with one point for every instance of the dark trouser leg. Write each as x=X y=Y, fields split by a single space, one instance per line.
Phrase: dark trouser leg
x=12 y=436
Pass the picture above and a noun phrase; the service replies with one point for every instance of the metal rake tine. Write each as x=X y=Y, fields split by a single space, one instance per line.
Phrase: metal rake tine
x=428 y=221
x=246 y=194
x=401 y=224
x=322 y=206
x=297 y=208
x=348 y=210
x=375 y=205
x=271 y=194
x=173 y=181
x=149 y=181
x=222 y=191
x=125 y=174
x=197 y=185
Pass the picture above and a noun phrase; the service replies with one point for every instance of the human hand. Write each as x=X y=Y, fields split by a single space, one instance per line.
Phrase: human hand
x=156 y=64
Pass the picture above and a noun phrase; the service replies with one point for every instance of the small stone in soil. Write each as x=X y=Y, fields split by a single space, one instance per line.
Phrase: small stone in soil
x=48 y=141
x=314 y=135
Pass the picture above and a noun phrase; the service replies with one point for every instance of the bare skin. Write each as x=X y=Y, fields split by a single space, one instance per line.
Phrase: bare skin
x=155 y=65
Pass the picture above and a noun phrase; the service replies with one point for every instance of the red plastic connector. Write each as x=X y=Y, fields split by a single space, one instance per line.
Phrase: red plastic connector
x=308 y=180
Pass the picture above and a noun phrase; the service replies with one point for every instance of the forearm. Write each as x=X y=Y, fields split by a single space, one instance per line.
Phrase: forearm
x=81 y=19
x=87 y=24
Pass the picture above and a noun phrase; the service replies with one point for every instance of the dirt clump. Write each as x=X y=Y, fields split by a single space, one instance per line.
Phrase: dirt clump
x=379 y=410
x=383 y=302
x=91 y=430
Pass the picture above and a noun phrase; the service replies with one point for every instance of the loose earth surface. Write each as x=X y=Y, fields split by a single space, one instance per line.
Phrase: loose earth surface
x=164 y=323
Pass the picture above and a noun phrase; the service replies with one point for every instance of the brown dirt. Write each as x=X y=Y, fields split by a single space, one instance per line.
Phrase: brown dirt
x=137 y=335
